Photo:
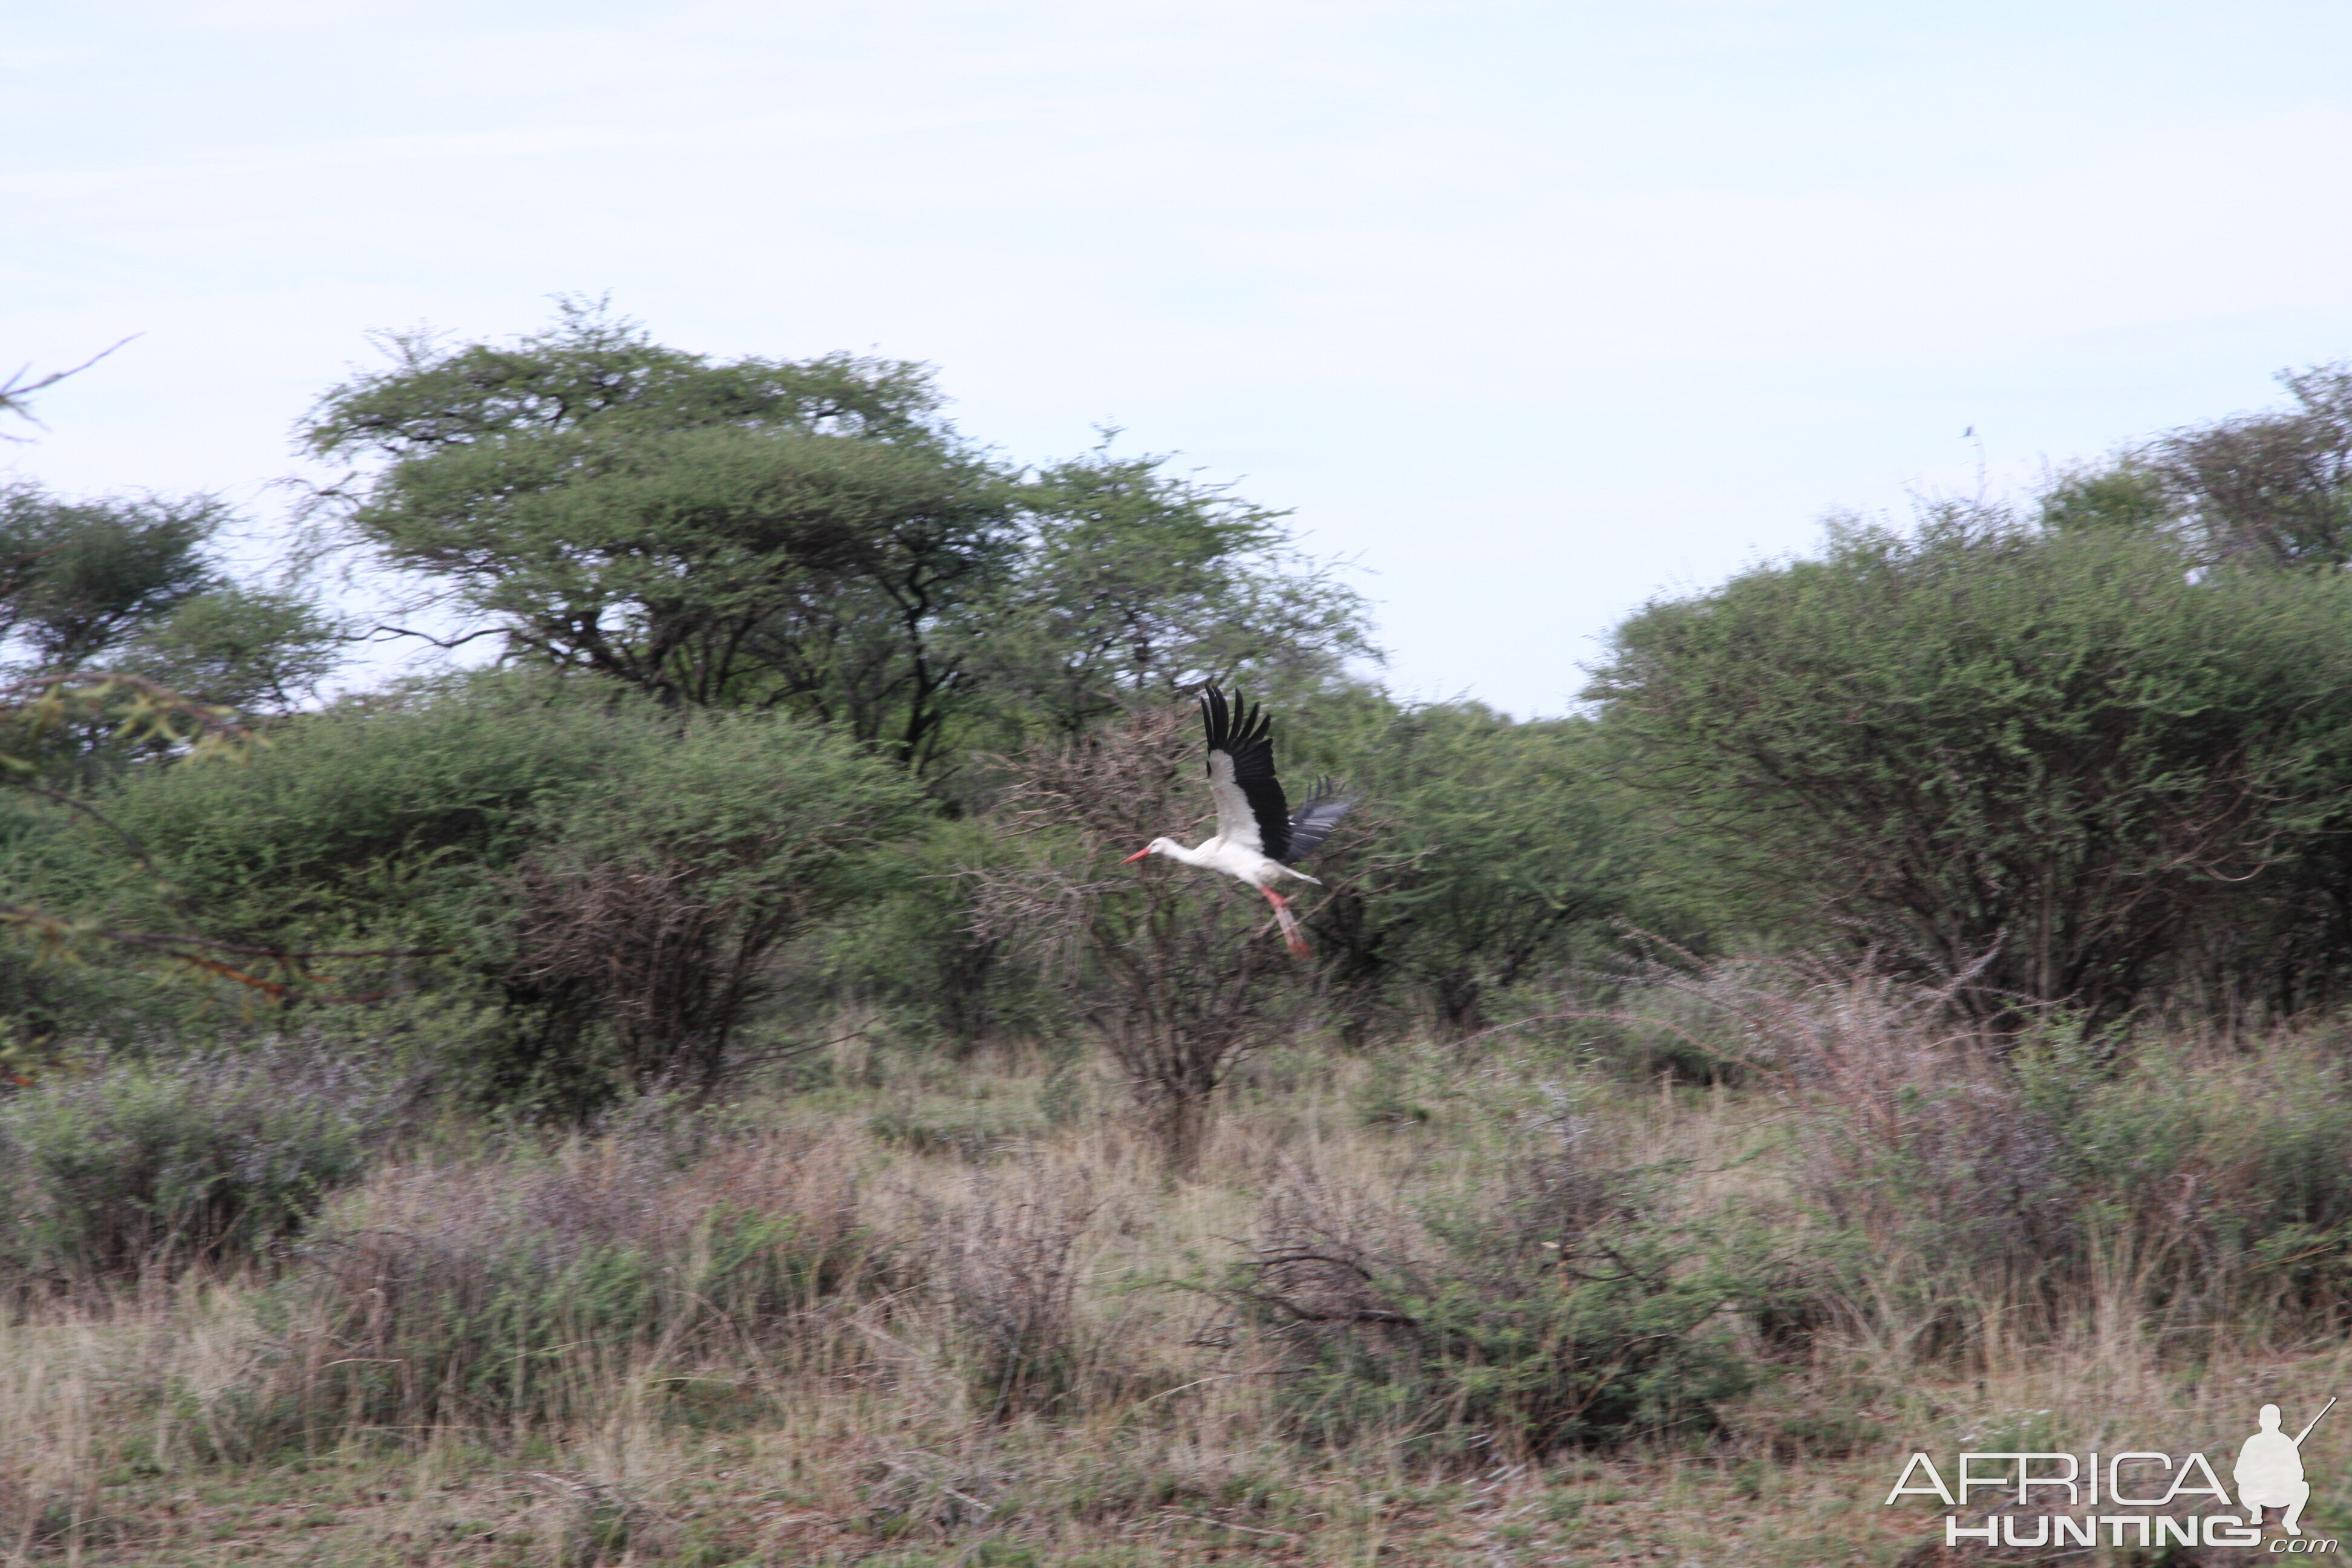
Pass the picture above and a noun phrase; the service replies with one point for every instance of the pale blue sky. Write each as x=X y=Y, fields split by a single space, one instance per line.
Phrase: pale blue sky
x=1535 y=310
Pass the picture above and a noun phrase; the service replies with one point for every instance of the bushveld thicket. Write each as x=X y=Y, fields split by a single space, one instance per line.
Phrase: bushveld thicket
x=735 y=994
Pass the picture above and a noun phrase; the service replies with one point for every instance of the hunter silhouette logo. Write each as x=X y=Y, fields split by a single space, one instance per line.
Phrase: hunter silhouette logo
x=2269 y=1471
x=2138 y=1498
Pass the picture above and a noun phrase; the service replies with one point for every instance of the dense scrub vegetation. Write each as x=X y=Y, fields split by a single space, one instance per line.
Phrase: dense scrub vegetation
x=725 y=1013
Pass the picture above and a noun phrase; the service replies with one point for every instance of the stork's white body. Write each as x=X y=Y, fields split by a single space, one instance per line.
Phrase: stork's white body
x=1239 y=860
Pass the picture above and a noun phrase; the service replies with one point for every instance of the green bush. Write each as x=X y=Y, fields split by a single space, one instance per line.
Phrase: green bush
x=211 y=1160
x=914 y=953
x=2229 y=1180
x=374 y=821
x=507 y=1289
x=2068 y=759
x=1560 y=1309
x=1503 y=850
x=608 y=880
x=644 y=924
x=1968 y=1195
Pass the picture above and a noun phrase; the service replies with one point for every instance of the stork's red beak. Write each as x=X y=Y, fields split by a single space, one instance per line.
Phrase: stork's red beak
x=1136 y=855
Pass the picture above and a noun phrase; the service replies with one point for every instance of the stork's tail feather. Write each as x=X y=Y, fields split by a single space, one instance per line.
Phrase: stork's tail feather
x=1295 y=937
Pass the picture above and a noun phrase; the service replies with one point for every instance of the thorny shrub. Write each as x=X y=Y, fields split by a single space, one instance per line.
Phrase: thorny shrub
x=212 y=1159
x=503 y=1289
x=1004 y=1263
x=1562 y=1303
x=1963 y=1179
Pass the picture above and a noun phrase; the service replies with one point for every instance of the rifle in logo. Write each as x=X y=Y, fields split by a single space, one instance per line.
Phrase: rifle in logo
x=2269 y=1471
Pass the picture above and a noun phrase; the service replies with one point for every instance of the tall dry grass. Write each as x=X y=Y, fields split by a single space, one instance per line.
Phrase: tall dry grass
x=1969 y=1190
x=796 y=1332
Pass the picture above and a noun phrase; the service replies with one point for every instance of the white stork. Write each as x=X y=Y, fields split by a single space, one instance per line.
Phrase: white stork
x=1258 y=836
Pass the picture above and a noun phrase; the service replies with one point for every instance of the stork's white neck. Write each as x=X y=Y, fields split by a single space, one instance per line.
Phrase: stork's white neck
x=1175 y=851
x=1216 y=854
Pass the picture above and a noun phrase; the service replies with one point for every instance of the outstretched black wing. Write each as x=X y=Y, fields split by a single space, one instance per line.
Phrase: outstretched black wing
x=1251 y=811
x=1312 y=823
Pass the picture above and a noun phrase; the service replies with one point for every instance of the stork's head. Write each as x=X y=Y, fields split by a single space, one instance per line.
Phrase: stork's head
x=1157 y=847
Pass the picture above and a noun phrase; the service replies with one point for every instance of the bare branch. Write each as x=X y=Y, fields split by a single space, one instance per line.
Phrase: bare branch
x=17 y=390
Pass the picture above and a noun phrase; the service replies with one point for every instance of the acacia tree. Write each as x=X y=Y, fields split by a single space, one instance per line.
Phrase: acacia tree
x=130 y=583
x=812 y=535
x=2066 y=750
x=755 y=532
x=1132 y=585
x=121 y=639
x=78 y=579
x=2272 y=488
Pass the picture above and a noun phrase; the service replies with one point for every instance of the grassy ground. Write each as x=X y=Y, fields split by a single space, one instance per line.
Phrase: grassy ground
x=1142 y=1421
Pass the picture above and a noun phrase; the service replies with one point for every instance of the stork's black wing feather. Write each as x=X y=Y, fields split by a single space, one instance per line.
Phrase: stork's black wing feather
x=1244 y=735
x=1312 y=823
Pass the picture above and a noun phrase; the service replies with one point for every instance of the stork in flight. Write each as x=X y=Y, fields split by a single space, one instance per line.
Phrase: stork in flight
x=1258 y=837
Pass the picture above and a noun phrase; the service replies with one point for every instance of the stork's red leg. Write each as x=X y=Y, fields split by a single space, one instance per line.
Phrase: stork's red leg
x=1289 y=923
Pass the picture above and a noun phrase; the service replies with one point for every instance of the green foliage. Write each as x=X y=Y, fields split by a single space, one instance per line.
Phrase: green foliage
x=121 y=644
x=2061 y=750
x=755 y=532
x=41 y=718
x=1507 y=847
x=810 y=536
x=212 y=1159
x=1561 y=1308
x=1136 y=585
x=256 y=652
x=712 y=566
x=375 y=818
x=612 y=876
x=82 y=584
x=47 y=726
x=2233 y=1187
x=2126 y=496
x=78 y=579
x=592 y=367
x=503 y=1290
x=914 y=951
x=2269 y=490
x=125 y=582
x=661 y=891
